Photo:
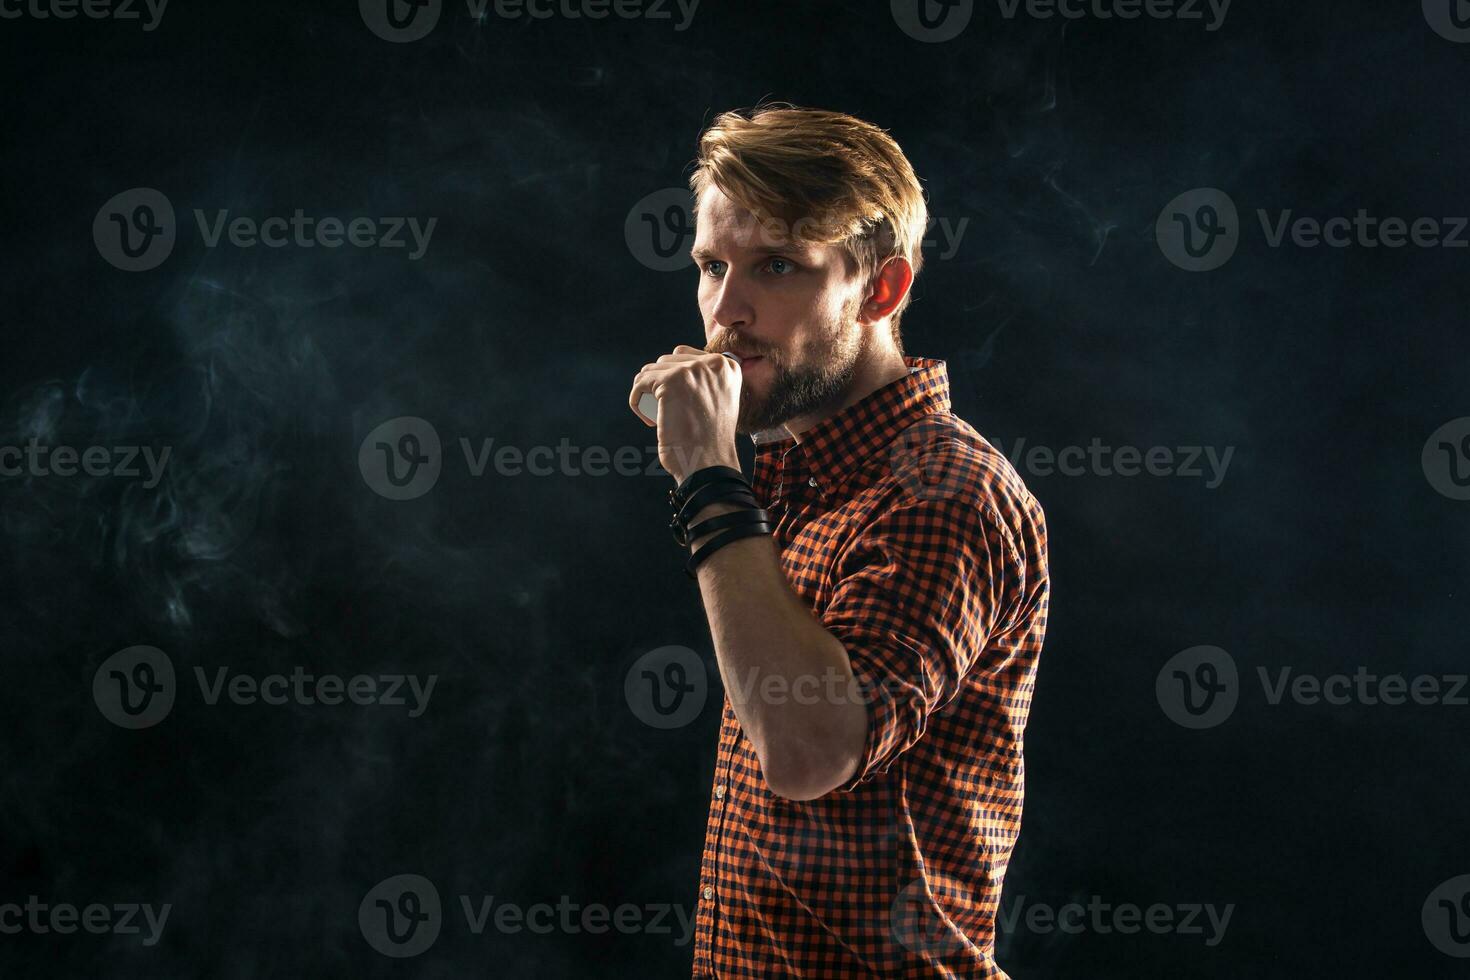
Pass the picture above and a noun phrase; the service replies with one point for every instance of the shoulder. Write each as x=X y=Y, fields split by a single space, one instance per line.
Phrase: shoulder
x=943 y=461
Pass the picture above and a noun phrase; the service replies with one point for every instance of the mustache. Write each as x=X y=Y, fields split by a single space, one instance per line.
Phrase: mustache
x=727 y=346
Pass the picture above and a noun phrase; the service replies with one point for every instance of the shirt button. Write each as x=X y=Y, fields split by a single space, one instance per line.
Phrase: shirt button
x=708 y=892
x=811 y=481
x=719 y=792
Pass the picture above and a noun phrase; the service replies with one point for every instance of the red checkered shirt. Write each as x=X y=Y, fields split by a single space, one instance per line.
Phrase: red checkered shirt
x=917 y=545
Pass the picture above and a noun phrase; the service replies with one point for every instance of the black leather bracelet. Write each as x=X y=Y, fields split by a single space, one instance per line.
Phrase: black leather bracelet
x=724 y=538
x=683 y=534
x=733 y=519
x=722 y=492
x=680 y=494
x=710 y=491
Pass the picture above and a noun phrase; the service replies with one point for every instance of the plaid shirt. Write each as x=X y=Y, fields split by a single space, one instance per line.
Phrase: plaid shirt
x=917 y=545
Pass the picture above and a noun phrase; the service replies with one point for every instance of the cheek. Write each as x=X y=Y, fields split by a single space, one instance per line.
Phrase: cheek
x=842 y=302
x=706 y=310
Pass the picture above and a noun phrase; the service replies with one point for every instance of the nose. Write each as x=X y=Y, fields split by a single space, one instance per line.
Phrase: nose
x=731 y=308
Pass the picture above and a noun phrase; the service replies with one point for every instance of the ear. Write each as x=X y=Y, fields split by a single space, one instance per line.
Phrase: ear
x=887 y=289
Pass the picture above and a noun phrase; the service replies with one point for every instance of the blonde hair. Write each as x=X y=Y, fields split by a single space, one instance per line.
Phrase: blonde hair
x=830 y=178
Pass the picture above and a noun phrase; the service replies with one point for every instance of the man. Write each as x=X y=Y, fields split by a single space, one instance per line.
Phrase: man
x=878 y=646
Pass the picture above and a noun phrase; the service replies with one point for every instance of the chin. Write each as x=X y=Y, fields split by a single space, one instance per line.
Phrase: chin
x=745 y=426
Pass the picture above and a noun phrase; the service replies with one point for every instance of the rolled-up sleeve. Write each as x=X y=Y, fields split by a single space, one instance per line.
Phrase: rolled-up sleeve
x=918 y=596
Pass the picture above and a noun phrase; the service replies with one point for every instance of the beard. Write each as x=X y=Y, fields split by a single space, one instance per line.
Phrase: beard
x=815 y=384
x=808 y=389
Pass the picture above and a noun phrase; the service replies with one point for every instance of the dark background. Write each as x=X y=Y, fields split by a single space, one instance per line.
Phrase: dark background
x=1324 y=549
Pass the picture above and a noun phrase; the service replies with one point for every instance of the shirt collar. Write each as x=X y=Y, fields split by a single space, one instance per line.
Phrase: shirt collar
x=835 y=446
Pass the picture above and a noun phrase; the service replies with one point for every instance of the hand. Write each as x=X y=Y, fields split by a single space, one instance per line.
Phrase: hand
x=698 y=406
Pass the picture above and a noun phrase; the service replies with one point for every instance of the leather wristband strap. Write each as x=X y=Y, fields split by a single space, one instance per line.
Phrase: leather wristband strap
x=709 y=493
x=732 y=519
x=680 y=528
x=723 y=492
x=722 y=539
x=680 y=494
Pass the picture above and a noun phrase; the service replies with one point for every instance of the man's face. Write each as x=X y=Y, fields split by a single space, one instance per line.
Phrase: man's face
x=794 y=306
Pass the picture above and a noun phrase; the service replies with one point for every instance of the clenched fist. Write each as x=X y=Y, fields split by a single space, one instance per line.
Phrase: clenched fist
x=698 y=405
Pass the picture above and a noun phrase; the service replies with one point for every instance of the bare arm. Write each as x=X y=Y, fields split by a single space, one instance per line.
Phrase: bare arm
x=766 y=641
x=789 y=680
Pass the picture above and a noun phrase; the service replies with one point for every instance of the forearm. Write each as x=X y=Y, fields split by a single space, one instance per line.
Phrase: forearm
x=788 y=678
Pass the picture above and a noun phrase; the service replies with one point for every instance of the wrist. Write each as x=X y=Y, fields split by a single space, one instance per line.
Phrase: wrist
x=703 y=461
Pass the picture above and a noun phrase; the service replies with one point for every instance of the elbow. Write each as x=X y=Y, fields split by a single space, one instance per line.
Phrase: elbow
x=801 y=779
x=800 y=787
x=796 y=788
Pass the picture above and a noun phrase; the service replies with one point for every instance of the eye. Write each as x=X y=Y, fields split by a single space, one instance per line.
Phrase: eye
x=714 y=268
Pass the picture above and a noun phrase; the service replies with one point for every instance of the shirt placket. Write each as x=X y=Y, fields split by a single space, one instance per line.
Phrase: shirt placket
x=801 y=485
x=707 y=916
x=708 y=913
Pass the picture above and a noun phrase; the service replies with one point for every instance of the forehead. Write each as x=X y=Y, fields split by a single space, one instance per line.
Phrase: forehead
x=724 y=225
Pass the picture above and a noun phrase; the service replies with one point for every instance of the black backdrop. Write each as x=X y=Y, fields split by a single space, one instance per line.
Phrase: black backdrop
x=1333 y=543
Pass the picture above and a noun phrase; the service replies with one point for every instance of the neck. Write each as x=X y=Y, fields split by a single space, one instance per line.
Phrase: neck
x=880 y=370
